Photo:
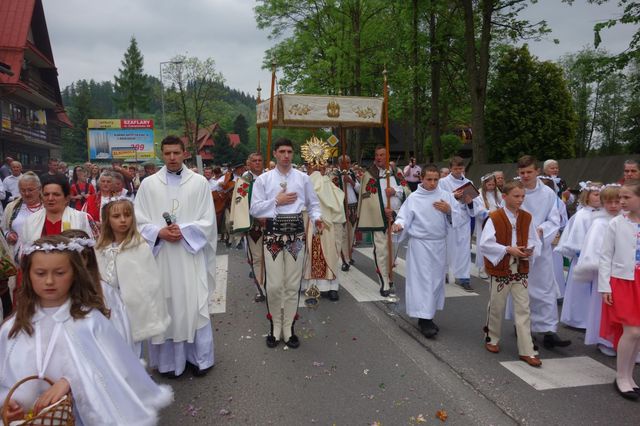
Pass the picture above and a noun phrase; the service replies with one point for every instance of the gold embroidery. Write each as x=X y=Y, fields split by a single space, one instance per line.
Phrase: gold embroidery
x=364 y=113
x=298 y=109
x=333 y=109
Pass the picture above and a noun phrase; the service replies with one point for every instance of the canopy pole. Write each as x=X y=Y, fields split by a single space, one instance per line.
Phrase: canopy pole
x=259 y=89
x=343 y=175
x=388 y=173
x=270 y=125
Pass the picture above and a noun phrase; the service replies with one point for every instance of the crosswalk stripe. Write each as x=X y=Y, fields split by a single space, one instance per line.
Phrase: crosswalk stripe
x=400 y=269
x=218 y=301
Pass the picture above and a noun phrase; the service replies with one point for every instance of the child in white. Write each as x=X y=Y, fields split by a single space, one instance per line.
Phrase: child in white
x=492 y=200
x=427 y=217
x=619 y=283
x=112 y=300
x=127 y=264
x=586 y=270
x=60 y=331
x=578 y=293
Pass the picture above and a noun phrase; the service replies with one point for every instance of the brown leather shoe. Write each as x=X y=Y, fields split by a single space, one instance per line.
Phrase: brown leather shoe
x=531 y=360
x=492 y=348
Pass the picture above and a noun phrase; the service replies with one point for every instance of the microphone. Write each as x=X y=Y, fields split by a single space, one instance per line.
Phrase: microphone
x=167 y=218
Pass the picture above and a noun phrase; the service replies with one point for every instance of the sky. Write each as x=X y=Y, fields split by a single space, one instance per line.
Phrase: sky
x=89 y=37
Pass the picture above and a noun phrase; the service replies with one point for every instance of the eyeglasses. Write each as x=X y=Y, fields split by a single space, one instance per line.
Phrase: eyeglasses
x=29 y=190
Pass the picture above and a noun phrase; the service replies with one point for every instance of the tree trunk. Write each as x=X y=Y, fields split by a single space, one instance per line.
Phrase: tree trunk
x=436 y=68
x=593 y=120
x=417 y=148
x=477 y=67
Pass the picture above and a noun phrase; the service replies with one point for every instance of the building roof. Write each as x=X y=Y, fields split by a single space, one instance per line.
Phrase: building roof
x=24 y=36
x=234 y=139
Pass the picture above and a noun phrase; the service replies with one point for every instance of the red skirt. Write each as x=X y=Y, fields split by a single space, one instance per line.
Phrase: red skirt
x=625 y=309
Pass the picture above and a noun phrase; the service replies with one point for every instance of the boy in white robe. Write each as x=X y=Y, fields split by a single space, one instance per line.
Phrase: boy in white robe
x=540 y=202
x=175 y=215
x=427 y=216
x=508 y=242
x=459 y=240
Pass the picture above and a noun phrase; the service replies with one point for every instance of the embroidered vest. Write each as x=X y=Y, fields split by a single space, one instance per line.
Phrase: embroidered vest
x=503 y=229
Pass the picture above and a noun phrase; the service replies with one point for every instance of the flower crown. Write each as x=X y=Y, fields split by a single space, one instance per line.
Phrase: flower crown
x=487 y=177
x=587 y=186
x=611 y=185
x=74 y=244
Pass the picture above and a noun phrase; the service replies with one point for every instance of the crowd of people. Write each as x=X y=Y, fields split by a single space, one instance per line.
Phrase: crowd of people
x=98 y=262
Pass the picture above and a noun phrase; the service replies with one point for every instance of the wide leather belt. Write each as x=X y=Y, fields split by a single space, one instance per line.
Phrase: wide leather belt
x=286 y=224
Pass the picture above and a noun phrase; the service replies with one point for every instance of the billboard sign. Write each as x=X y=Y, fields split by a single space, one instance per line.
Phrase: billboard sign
x=120 y=139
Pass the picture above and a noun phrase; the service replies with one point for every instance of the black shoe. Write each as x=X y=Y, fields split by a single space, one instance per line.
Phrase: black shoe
x=333 y=295
x=632 y=395
x=345 y=267
x=324 y=294
x=197 y=371
x=170 y=375
x=465 y=286
x=259 y=298
x=271 y=341
x=428 y=328
x=351 y=262
x=251 y=274
x=293 y=342
x=552 y=340
x=385 y=293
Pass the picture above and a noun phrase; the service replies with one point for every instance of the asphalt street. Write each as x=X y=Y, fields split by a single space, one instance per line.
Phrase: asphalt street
x=362 y=361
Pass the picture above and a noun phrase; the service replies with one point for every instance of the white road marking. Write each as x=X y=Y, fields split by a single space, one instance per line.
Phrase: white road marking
x=218 y=301
x=562 y=372
x=400 y=269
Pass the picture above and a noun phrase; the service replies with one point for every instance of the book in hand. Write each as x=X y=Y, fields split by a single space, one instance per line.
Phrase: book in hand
x=468 y=189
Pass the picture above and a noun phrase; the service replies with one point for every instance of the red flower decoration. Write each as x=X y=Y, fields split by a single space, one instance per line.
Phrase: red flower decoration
x=269 y=317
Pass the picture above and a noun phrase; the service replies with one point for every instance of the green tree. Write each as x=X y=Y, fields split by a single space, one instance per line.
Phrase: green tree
x=630 y=15
x=74 y=140
x=132 y=92
x=631 y=117
x=241 y=128
x=529 y=109
x=195 y=92
x=484 y=21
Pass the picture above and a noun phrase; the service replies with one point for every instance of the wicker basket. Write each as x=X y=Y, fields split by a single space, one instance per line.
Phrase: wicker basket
x=60 y=415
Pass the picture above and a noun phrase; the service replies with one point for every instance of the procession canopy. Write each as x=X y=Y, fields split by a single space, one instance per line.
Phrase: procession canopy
x=322 y=111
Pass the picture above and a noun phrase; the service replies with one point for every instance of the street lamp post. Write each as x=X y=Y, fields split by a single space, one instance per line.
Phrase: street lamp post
x=164 y=118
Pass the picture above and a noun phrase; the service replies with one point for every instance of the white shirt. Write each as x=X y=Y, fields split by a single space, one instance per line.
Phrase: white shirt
x=396 y=200
x=11 y=184
x=268 y=185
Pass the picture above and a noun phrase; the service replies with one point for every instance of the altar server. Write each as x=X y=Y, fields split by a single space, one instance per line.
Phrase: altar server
x=459 y=241
x=425 y=219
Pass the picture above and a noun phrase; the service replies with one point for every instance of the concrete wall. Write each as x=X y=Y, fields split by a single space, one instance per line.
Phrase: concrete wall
x=597 y=169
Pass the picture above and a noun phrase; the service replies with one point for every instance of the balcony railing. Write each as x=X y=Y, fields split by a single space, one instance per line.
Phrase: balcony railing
x=35 y=132
x=39 y=86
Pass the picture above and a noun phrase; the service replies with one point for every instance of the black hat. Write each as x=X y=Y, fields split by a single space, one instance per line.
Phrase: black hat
x=235 y=166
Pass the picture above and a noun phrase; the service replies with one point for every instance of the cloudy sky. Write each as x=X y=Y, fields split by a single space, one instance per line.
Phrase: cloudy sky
x=89 y=37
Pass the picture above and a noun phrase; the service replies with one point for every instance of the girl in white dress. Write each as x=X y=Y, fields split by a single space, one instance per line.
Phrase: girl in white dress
x=128 y=266
x=586 y=269
x=577 y=294
x=112 y=300
x=60 y=331
x=492 y=200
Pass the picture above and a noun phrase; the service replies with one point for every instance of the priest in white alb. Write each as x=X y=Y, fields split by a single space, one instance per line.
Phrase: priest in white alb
x=176 y=216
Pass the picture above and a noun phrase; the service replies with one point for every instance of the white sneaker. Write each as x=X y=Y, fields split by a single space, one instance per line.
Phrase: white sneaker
x=606 y=350
x=483 y=275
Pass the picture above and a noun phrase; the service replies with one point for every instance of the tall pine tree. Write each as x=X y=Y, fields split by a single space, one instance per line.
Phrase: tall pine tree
x=132 y=93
